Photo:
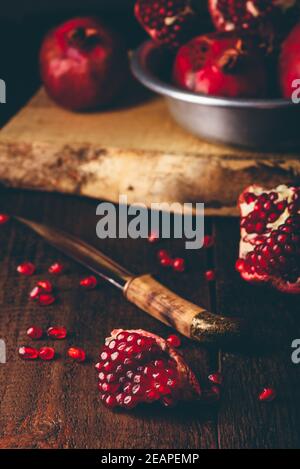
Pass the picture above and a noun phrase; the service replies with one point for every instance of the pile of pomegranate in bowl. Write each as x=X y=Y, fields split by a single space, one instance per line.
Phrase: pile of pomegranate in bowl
x=234 y=79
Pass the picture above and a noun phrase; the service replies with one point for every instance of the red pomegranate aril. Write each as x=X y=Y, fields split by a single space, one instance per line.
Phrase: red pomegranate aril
x=208 y=241
x=35 y=293
x=27 y=268
x=216 y=378
x=174 y=341
x=110 y=402
x=46 y=353
x=179 y=265
x=99 y=367
x=4 y=218
x=166 y=262
x=210 y=275
x=28 y=353
x=77 y=354
x=45 y=285
x=46 y=299
x=163 y=254
x=89 y=283
x=268 y=395
x=153 y=237
x=140 y=371
x=56 y=268
x=35 y=332
x=57 y=333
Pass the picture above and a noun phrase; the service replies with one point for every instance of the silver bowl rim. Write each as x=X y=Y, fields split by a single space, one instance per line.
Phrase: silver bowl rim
x=140 y=69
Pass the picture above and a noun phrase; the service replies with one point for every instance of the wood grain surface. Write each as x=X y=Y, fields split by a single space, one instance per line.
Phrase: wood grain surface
x=136 y=150
x=56 y=405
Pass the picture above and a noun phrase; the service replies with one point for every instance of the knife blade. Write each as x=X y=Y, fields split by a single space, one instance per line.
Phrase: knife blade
x=144 y=291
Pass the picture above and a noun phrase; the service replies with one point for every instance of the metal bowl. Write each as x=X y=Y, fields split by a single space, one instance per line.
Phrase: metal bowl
x=258 y=124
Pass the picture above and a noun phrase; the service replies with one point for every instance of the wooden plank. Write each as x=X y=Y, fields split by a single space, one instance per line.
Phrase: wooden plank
x=56 y=405
x=264 y=360
x=137 y=150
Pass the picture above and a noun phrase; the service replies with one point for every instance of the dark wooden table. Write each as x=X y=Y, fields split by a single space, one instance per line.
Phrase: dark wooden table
x=56 y=405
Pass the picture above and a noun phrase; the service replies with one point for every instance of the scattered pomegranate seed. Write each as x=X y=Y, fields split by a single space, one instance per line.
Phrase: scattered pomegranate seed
x=28 y=353
x=216 y=378
x=56 y=268
x=57 y=333
x=47 y=353
x=3 y=218
x=210 y=275
x=35 y=293
x=174 y=341
x=89 y=283
x=77 y=354
x=153 y=238
x=27 y=268
x=163 y=254
x=46 y=299
x=208 y=241
x=35 y=332
x=268 y=395
x=179 y=265
x=166 y=262
x=45 y=285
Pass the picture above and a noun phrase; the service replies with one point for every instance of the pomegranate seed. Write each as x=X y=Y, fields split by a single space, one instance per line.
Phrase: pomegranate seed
x=174 y=341
x=216 y=378
x=57 y=333
x=179 y=265
x=163 y=254
x=35 y=332
x=28 y=353
x=35 y=293
x=268 y=395
x=111 y=402
x=45 y=285
x=46 y=299
x=210 y=275
x=27 y=268
x=208 y=241
x=77 y=354
x=153 y=238
x=89 y=283
x=3 y=218
x=46 y=353
x=166 y=262
x=240 y=265
x=56 y=268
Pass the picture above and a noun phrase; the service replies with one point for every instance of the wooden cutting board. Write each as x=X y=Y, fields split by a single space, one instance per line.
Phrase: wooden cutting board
x=137 y=150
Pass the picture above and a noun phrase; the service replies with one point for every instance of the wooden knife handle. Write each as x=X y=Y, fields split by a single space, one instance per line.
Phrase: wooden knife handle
x=188 y=319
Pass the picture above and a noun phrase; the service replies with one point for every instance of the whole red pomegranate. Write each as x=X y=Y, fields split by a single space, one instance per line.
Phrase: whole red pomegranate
x=250 y=15
x=169 y=22
x=139 y=367
x=83 y=64
x=289 y=63
x=221 y=64
x=270 y=237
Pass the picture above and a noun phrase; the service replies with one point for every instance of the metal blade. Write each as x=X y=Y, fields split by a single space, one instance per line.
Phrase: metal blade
x=83 y=253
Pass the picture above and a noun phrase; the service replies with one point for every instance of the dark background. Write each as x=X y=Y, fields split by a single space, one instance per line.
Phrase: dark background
x=23 y=25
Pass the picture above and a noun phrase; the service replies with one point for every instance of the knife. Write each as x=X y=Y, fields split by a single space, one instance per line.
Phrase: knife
x=144 y=291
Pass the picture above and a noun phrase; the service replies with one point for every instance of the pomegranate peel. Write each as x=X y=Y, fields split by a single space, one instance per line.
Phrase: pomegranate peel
x=139 y=367
x=270 y=237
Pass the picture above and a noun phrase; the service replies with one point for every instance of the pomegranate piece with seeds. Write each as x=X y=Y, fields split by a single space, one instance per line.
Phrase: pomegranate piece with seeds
x=221 y=64
x=270 y=237
x=168 y=22
x=250 y=15
x=139 y=367
x=27 y=268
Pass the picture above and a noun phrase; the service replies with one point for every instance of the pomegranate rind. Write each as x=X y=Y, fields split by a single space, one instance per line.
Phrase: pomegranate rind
x=245 y=243
x=189 y=387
